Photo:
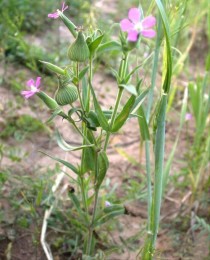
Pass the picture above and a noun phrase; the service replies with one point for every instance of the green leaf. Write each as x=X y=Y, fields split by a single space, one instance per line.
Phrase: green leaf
x=127 y=78
x=67 y=164
x=115 y=73
x=95 y=43
x=89 y=155
x=103 y=219
x=124 y=114
x=115 y=207
x=208 y=59
x=109 y=46
x=139 y=100
x=83 y=72
x=66 y=147
x=53 y=68
x=167 y=80
x=130 y=88
x=75 y=110
x=76 y=203
x=108 y=113
x=103 y=165
x=144 y=129
x=92 y=120
x=54 y=114
x=101 y=117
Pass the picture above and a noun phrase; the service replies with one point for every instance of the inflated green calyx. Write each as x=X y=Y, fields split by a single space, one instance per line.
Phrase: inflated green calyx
x=78 y=50
x=66 y=94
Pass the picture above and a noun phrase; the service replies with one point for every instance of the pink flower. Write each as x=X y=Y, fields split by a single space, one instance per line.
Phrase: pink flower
x=107 y=204
x=34 y=87
x=56 y=15
x=134 y=26
x=188 y=117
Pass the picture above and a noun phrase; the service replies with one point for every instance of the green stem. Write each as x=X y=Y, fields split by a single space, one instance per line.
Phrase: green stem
x=79 y=94
x=80 y=132
x=90 y=80
x=149 y=184
x=90 y=233
x=122 y=74
x=119 y=95
x=83 y=194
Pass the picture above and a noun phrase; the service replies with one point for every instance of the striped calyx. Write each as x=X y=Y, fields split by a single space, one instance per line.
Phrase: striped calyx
x=50 y=102
x=66 y=94
x=78 y=50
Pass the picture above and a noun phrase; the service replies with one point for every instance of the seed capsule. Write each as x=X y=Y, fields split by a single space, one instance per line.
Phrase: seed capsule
x=78 y=50
x=66 y=94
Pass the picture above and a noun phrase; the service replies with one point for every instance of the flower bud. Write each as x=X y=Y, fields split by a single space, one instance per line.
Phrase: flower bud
x=53 y=68
x=50 y=102
x=78 y=50
x=66 y=94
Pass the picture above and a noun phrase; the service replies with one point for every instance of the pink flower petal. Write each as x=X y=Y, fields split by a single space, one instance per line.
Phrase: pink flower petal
x=54 y=15
x=30 y=83
x=148 y=33
x=126 y=25
x=38 y=81
x=133 y=36
x=64 y=7
x=134 y=15
x=148 y=22
x=27 y=94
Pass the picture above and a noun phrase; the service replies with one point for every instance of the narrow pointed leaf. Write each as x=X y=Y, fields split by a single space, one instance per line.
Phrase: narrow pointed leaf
x=66 y=147
x=109 y=46
x=127 y=78
x=130 y=88
x=76 y=203
x=65 y=163
x=83 y=72
x=89 y=155
x=139 y=100
x=103 y=219
x=167 y=80
x=103 y=167
x=144 y=129
x=115 y=207
x=101 y=117
x=54 y=114
x=95 y=43
x=124 y=114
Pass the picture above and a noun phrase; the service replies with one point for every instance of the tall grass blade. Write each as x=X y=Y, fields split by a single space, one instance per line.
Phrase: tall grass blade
x=149 y=248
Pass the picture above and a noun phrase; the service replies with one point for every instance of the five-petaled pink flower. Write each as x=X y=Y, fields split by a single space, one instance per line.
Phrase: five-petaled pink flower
x=34 y=87
x=56 y=15
x=134 y=26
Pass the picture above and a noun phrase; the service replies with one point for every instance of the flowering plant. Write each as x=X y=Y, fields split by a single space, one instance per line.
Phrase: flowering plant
x=76 y=91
